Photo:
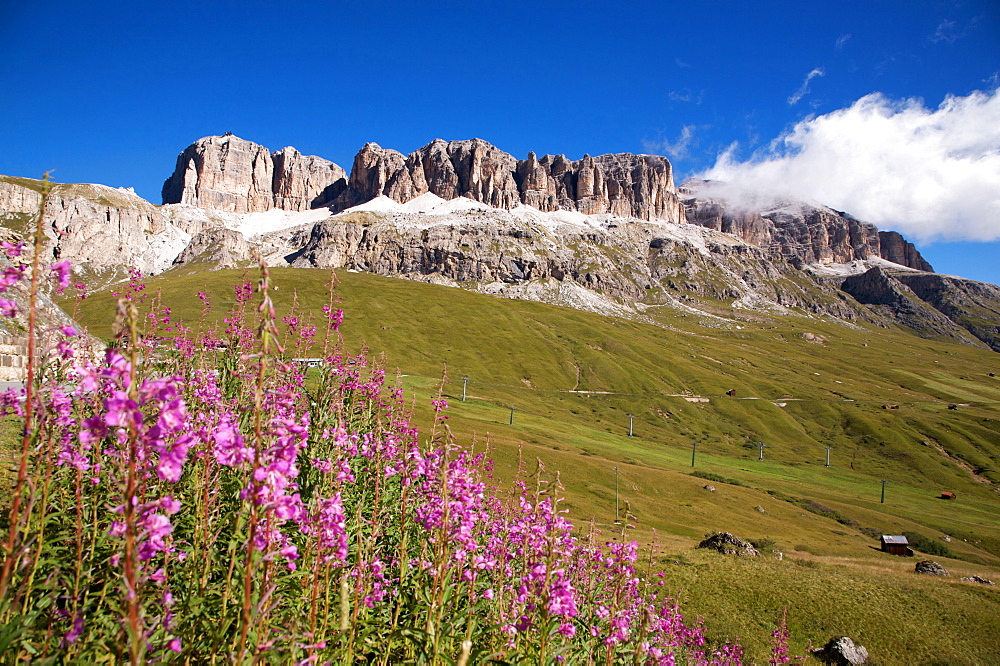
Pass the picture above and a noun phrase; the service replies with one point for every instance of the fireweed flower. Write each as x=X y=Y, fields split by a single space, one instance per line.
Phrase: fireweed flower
x=9 y=276
x=12 y=250
x=61 y=272
x=157 y=419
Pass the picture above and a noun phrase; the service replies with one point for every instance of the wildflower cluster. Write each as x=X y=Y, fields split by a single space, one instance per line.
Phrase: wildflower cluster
x=197 y=501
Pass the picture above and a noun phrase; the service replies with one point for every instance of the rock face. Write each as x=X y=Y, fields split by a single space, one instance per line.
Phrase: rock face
x=895 y=248
x=227 y=173
x=627 y=261
x=797 y=231
x=219 y=248
x=106 y=228
x=890 y=296
x=376 y=171
x=303 y=182
x=638 y=186
x=727 y=544
x=930 y=568
x=972 y=305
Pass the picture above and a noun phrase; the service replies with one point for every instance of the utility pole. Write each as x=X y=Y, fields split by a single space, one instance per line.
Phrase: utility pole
x=883 y=491
x=465 y=384
x=512 y=416
x=630 y=417
x=694 y=447
x=827 y=456
x=616 y=494
x=761 y=445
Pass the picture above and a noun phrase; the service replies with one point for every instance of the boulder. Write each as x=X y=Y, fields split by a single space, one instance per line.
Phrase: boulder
x=978 y=579
x=841 y=651
x=930 y=568
x=727 y=544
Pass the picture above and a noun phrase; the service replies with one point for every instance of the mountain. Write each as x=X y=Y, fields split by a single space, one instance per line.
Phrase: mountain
x=609 y=233
x=230 y=174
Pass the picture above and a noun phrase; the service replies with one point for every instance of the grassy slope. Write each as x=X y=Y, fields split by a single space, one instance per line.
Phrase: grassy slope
x=531 y=356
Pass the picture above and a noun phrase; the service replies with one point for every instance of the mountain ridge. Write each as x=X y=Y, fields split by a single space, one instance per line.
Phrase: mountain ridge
x=609 y=233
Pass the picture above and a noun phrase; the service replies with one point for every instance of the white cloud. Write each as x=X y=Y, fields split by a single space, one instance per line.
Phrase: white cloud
x=677 y=149
x=947 y=31
x=804 y=88
x=686 y=95
x=842 y=40
x=931 y=174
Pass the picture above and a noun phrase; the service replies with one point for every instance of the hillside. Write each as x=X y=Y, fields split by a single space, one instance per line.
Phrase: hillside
x=683 y=361
x=880 y=398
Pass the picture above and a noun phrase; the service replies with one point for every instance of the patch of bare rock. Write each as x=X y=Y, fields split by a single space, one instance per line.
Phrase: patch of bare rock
x=727 y=544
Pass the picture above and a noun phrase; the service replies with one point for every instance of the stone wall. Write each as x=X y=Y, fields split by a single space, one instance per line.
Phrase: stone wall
x=13 y=357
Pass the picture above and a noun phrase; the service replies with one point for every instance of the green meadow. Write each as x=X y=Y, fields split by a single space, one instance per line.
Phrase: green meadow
x=555 y=386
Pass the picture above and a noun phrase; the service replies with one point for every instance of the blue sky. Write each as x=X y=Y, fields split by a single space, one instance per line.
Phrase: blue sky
x=883 y=109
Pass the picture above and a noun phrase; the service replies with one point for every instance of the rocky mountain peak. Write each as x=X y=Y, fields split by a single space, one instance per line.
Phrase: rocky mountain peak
x=303 y=182
x=639 y=186
x=796 y=230
x=227 y=173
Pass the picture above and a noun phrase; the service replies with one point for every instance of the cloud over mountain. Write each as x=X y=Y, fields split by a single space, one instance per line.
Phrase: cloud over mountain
x=929 y=173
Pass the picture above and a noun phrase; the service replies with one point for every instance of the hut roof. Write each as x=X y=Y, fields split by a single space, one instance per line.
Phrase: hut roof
x=895 y=539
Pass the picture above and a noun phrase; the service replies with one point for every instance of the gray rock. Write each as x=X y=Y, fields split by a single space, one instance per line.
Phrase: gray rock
x=107 y=229
x=218 y=249
x=888 y=294
x=972 y=305
x=930 y=568
x=978 y=579
x=727 y=544
x=841 y=651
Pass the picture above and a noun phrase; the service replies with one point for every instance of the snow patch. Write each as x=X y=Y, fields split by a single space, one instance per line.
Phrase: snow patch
x=857 y=267
x=256 y=224
x=425 y=203
x=380 y=204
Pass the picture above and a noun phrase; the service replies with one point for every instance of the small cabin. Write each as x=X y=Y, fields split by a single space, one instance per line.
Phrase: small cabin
x=731 y=392
x=896 y=545
x=947 y=494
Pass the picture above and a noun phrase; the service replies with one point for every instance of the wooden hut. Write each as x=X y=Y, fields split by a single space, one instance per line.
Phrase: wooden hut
x=947 y=494
x=896 y=545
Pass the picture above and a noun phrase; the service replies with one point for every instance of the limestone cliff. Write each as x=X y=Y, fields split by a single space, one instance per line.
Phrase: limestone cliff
x=227 y=173
x=104 y=228
x=796 y=230
x=639 y=186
